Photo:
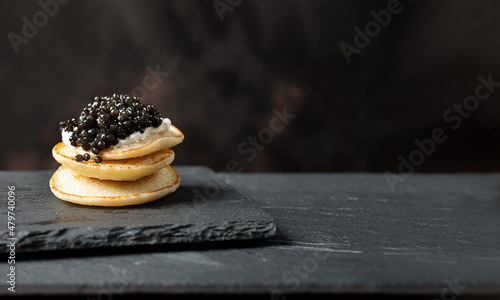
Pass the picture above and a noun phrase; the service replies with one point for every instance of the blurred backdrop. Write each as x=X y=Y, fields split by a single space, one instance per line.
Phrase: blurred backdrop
x=363 y=79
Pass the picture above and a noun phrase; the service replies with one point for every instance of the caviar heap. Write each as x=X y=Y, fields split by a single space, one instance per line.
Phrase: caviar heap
x=105 y=121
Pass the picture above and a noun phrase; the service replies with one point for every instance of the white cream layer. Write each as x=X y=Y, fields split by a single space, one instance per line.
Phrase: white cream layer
x=148 y=136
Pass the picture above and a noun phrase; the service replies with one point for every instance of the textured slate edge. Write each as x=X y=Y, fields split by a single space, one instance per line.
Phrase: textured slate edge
x=68 y=238
x=433 y=291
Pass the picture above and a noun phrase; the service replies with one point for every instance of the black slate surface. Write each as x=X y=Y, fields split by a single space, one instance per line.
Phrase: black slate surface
x=202 y=209
x=339 y=233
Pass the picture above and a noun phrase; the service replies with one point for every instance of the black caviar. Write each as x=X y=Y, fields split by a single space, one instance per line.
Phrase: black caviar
x=98 y=159
x=105 y=121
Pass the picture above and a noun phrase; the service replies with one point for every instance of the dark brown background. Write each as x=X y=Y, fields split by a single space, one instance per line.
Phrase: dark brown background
x=227 y=76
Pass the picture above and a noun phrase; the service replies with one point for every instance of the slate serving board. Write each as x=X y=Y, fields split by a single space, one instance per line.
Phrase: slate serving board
x=343 y=235
x=204 y=208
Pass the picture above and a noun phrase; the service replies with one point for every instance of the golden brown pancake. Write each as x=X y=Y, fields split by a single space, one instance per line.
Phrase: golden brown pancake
x=119 y=170
x=73 y=187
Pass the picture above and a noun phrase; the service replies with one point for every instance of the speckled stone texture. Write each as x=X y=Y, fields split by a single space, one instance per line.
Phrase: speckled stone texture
x=203 y=209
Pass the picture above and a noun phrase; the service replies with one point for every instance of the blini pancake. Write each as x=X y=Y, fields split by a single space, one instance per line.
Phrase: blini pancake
x=72 y=187
x=119 y=170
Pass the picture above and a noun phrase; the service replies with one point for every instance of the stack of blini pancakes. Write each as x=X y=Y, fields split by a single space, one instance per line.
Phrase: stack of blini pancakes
x=130 y=174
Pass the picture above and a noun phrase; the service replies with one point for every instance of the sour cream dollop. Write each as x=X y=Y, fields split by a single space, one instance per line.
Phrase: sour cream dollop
x=148 y=136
